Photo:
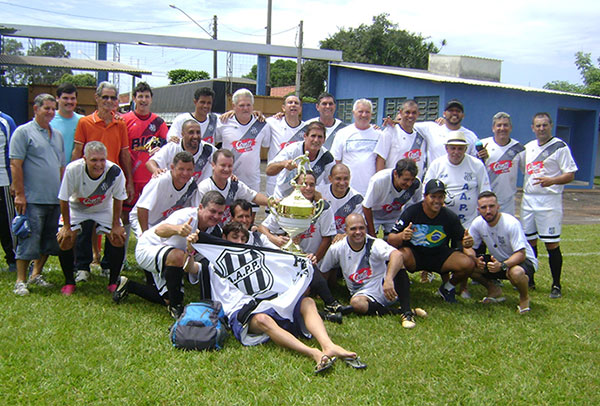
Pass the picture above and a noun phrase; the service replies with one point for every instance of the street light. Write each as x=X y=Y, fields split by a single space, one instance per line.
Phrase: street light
x=213 y=36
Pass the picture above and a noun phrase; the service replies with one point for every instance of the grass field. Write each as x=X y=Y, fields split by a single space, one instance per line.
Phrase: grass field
x=84 y=349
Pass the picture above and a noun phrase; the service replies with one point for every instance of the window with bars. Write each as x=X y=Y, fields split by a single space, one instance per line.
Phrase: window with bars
x=344 y=109
x=428 y=107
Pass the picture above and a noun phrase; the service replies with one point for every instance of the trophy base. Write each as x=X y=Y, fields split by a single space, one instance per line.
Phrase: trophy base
x=293 y=248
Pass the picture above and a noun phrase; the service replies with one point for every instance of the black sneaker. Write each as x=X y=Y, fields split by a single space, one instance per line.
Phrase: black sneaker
x=121 y=292
x=176 y=311
x=448 y=295
x=555 y=293
x=332 y=317
x=337 y=307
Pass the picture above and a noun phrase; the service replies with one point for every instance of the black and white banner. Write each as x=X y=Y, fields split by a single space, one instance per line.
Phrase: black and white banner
x=240 y=273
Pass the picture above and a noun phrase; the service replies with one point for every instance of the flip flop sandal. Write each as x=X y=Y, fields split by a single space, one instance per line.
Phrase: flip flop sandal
x=325 y=364
x=523 y=311
x=488 y=299
x=355 y=363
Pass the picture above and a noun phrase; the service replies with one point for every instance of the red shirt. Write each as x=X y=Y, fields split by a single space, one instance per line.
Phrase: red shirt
x=140 y=129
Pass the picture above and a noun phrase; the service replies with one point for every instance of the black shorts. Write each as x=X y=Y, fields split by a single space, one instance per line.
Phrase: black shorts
x=433 y=261
x=527 y=266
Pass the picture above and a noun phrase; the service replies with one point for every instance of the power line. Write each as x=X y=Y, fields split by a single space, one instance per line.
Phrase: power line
x=258 y=35
x=82 y=16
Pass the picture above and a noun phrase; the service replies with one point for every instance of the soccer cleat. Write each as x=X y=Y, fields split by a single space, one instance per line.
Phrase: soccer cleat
x=67 y=290
x=111 y=287
x=39 y=281
x=82 y=276
x=448 y=295
x=176 y=311
x=332 y=317
x=417 y=311
x=408 y=320
x=21 y=289
x=337 y=307
x=121 y=292
x=555 y=293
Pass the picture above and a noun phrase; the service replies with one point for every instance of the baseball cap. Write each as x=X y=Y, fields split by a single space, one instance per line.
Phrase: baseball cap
x=20 y=226
x=455 y=103
x=456 y=138
x=435 y=185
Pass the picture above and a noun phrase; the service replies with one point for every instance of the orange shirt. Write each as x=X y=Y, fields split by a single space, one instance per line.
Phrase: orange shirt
x=113 y=136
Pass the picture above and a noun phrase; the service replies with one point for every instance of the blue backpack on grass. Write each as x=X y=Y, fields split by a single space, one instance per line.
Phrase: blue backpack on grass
x=201 y=326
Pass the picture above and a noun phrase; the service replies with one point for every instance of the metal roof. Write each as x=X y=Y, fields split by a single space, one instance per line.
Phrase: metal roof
x=76 y=34
x=434 y=77
x=68 y=63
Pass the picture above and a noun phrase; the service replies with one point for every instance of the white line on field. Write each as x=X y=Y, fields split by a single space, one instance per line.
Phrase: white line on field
x=575 y=254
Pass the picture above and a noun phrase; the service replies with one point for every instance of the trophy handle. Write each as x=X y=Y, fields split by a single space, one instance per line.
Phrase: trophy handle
x=319 y=207
x=272 y=205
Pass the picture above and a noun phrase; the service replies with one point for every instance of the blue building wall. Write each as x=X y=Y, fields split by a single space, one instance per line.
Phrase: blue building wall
x=576 y=118
x=13 y=101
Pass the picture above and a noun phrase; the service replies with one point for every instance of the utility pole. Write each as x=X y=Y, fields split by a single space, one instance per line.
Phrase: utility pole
x=269 y=9
x=215 y=51
x=299 y=62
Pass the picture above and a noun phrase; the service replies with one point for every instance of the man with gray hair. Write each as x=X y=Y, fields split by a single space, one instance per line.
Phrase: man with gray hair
x=244 y=135
x=91 y=197
x=37 y=160
x=110 y=129
x=355 y=144
x=505 y=157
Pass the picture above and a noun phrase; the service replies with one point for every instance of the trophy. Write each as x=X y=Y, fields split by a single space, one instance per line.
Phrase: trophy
x=295 y=213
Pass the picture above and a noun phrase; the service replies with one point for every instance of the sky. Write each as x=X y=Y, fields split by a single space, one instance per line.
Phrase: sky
x=536 y=40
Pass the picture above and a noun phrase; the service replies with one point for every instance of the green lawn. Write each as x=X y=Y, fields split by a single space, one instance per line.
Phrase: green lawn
x=84 y=349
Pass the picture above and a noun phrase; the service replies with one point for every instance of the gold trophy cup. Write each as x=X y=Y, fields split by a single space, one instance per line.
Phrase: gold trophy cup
x=295 y=213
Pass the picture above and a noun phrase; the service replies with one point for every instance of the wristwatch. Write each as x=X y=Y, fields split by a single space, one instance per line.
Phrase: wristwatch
x=503 y=267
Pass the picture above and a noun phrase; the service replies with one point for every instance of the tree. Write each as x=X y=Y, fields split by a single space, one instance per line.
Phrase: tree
x=19 y=76
x=48 y=75
x=283 y=73
x=82 y=79
x=381 y=43
x=185 y=75
x=14 y=75
x=314 y=75
x=589 y=73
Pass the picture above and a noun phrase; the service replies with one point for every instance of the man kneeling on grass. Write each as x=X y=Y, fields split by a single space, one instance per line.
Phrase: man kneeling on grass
x=511 y=256
x=276 y=310
x=91 y=197
x=374 y=285
x=161 y=252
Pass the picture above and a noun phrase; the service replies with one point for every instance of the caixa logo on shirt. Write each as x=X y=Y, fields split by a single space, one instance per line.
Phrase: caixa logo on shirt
x=501 y=166
x=394 y=206
x=242 y=146
x=285 y=144
x=170 y=211
x=361 y=275
x=414 y=154
x=339 y=222
x=92 y=200
x=534 y=167
x=308 y=233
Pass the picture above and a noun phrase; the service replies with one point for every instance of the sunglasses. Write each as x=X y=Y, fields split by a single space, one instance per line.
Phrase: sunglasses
x=105 y=97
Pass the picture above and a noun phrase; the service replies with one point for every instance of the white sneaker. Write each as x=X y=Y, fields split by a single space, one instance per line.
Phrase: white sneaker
x=21 y=289
x=82 y=276
x=465 y=294
x=39 y=281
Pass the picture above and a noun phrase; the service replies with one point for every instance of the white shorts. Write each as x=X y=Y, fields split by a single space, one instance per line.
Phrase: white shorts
x=152 y=259
x=543 y=223
x=375 y=294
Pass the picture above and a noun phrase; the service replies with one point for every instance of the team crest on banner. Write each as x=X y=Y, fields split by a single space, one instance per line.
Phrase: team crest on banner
x=246 y=269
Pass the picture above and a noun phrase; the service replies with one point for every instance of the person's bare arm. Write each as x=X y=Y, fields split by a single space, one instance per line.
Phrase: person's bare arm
x=379 y=163
x=142 y=215
x=17 y=187
x=125 y=163
x=275 y=167
x=279 y=240
x=323 y=247
x=77 y=151
x=563 y=179
x=368 y=213
x=261 y=199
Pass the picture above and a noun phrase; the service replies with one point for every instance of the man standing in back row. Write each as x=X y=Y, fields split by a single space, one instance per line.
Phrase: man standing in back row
x=203 y=101
x=326 y=109
x=548 y=167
